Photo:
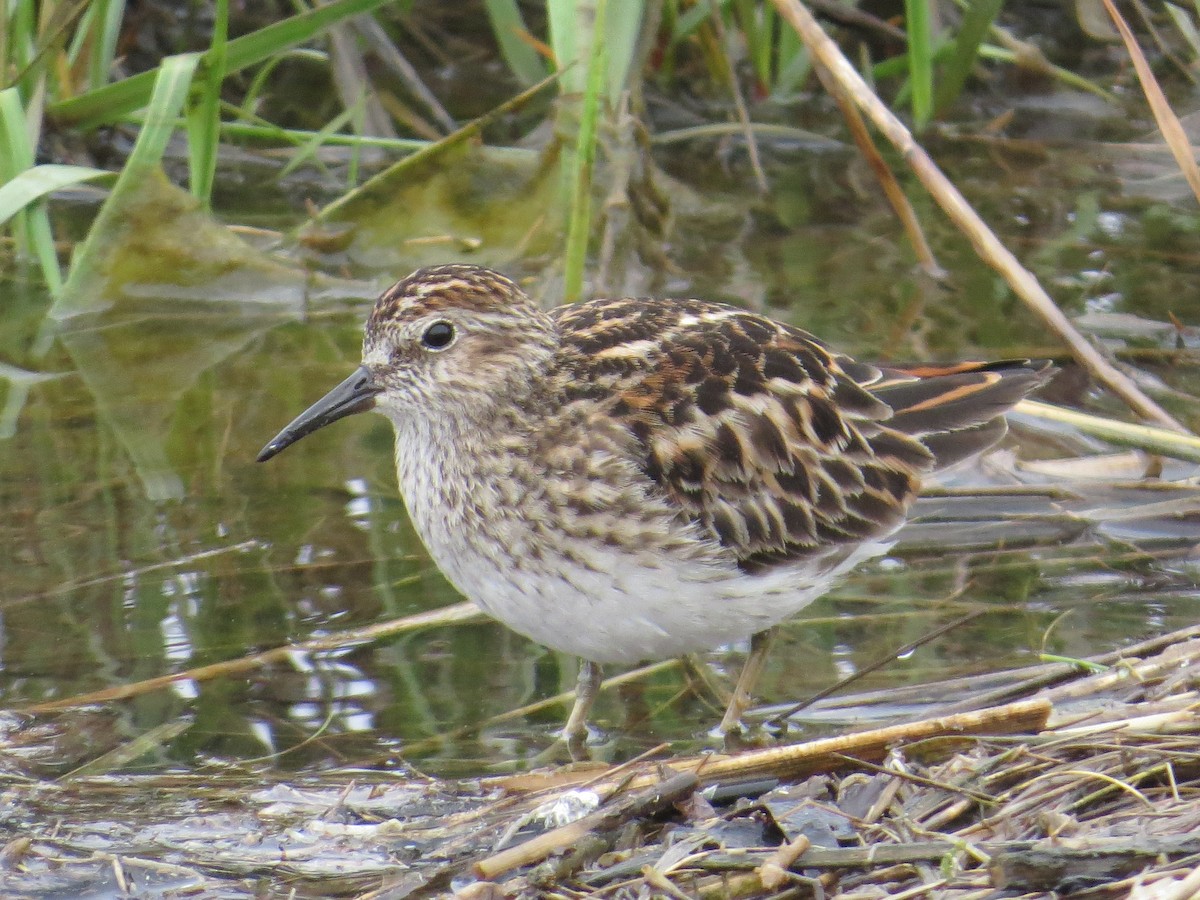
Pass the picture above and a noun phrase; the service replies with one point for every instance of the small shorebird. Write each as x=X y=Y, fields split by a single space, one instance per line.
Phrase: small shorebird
x=637 y=479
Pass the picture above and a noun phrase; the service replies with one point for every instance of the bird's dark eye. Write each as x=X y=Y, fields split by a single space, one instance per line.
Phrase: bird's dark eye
x=438 y=336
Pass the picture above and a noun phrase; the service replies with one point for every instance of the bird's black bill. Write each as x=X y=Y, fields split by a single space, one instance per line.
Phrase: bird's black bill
x=354 y=395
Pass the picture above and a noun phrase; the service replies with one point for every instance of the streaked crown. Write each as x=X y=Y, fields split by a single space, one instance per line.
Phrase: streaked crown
x=457 y=333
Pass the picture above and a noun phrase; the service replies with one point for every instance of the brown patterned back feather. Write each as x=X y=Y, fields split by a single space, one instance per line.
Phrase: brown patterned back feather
x=779 y=447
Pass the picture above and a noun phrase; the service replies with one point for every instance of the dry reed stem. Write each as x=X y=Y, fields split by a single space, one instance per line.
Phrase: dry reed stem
x=887 y=179
x=646 y=802
x=1187 y=889
x=1041 y=677
x=1042 y=865
x=447 y=615
x=1168 y=122
x=774 y=870
x=943 y=191
x=825 y=755
x=1131 y=670
x=739 y=102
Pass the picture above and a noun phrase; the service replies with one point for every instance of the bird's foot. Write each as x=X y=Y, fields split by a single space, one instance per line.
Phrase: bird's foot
x=576 y=742
x=575 y=732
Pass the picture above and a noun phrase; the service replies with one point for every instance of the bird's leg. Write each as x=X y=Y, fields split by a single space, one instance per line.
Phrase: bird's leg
x=586 y=689
x=760 y=644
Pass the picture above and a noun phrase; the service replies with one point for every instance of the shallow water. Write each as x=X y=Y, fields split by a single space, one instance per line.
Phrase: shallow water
x=140 y=538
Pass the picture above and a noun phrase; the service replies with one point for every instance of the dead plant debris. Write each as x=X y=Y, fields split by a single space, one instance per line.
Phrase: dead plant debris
x=1083 y=782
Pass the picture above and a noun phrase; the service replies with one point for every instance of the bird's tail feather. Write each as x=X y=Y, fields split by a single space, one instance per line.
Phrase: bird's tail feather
x=957 y=411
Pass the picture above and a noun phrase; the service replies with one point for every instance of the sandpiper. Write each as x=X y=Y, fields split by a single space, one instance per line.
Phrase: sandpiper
x=636 y=479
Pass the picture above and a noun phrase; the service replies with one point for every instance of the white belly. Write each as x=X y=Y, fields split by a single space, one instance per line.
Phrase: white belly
x=618 y=608
x=622 y=608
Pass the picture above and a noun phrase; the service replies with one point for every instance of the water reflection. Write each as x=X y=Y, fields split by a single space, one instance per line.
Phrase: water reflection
x=140 y=538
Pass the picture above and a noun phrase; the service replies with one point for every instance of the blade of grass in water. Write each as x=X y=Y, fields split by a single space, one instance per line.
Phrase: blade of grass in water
x=20 y=383
x=309 y=149
x=622 y=24
x=758 y=34
x=130 y=751
x=580 y=220
x=106 y=26
x=564 y=40
x=896 y=67
x=920 y=59
x=43 y=38
x=794 y=63
x=977 y=20
x=1185 y=26
x=267 y=69
x=606 y=37
x=204 y=115
x=508 y=25
x=31 y=227
x=265 y=131
x=171 y=86
x=40 y=182
x=694 y=18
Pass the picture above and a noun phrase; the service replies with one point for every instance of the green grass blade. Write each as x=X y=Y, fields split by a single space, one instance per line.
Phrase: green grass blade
x=1067 y=77
x=358 y=124
x=20 y=382
x=83 y=35
x=758 y=37
x=258 y=82
x=171 y=90
x=564 y=40
x=580 y=221
x=18 y=153
x=111 y=102
x=920 y=59
x=1186 y=27
x=42 y=238
x=621 y=26
x=40 y=182
x=20 y=41
x=40 y=40
x=251 y=127
x=507 y=25
x=204 y=114
x=107 y=23
x=309 y=149
x=794 y=63
x=562 y=18
x=976 y=22
x=7 y=36
x=264 y=131
x=31 y=228
x=171 y=87
x=576 y=26
x=693 y=18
